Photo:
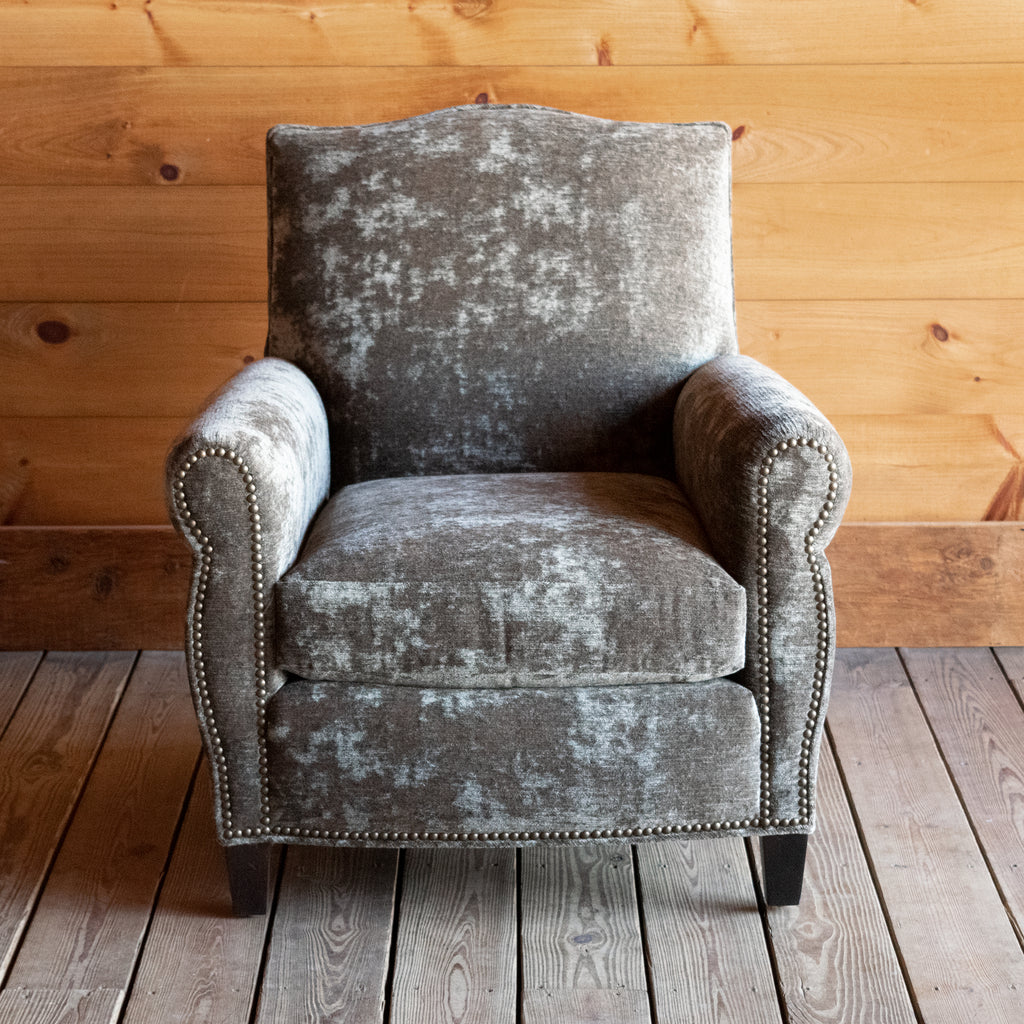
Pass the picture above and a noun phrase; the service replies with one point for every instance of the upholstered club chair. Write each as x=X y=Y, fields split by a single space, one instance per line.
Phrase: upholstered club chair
x=503 y=542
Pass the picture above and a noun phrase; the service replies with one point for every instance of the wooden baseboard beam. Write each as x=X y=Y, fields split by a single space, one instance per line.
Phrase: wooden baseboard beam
x=896 y=584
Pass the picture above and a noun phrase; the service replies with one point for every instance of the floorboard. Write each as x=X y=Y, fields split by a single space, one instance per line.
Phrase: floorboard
x=332 y=936
x=834 y=955
x=455 y=959
x=114 y=905
x=45 y=757
x=979 y=725
x=705 y=938
x=581 y=947
x=960 y=952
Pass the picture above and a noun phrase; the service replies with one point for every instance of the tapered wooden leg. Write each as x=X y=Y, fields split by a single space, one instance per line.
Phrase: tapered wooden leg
x=783 y=858
x=248 y=872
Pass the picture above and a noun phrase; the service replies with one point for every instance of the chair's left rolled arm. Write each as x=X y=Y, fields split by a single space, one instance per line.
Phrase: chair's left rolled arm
x=770 y=478
x=244 y=482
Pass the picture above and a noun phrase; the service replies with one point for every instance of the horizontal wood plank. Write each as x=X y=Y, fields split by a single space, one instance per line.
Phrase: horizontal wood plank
x=82 y=588
x=893 y=358
x=903 y=465
x=92 y=470
x=928 y=584
x=595 y=32
x=920 y=584
x=957 y=240
x=807 y=123
x=109 y=470
x=926 y=357
x=60 y=359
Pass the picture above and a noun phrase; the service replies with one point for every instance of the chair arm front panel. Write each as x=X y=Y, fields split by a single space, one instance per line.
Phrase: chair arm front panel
x=244 y=483
x=770 y=478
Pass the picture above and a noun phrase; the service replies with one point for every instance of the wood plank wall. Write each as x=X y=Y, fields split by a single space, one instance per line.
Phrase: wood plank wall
x=878 y=209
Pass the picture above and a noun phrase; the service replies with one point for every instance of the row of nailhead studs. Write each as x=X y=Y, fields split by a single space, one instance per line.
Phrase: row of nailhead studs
x=601 y=833
x=821 y=612
x=259 y=634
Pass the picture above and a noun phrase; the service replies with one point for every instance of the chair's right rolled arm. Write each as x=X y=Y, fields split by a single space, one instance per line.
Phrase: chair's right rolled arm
x=769 y=478
x=244 y=482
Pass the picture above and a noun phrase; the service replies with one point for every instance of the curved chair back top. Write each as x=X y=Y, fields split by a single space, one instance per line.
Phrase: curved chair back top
x=499 y=288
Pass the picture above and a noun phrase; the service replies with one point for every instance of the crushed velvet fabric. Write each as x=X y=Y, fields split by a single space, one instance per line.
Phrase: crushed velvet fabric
x=732 y=413
x=486 y=288
x=509 y=580
x=412 y=759
x=271 y=417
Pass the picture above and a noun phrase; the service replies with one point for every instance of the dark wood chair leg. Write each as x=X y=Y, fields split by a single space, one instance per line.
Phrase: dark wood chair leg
x=783 y=859
x=248 y=872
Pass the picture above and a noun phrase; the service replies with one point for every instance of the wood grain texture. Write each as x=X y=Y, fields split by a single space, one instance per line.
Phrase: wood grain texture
x=331 y=940
x=455 y=958
x=93 y=589
x=942 y=904
x=386 y=32
x=45 y=754
x=808 y=123
x=903 y=464
x=200 y=965
x=891 y=358
x=704 y=937
x=921 y=584
x=43 y=1006
x=16 y=671
x=580 y=941
x=835 y=959
x=928 y=584
x=1011 y=661
x=166 y=357
x=102 y=471
x=88 y=927
x=109 y=470
x=979 y=724
x=939 y=357
x=958 y=240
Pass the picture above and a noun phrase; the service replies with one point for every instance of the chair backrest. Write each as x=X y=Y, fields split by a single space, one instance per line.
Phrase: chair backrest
x=499 y=288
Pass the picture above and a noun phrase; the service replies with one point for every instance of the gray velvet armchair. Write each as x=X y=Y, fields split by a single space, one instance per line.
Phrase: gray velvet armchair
x=504 y=542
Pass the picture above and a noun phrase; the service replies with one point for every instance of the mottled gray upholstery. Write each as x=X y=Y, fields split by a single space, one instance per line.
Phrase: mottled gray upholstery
x=518 y=579
x=486 y=289
x=570 y=580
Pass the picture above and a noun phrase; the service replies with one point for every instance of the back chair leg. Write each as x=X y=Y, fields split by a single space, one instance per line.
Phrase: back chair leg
x=248 y=873
x=783 y=858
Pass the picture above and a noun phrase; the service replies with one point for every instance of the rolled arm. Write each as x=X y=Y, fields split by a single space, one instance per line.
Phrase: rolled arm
x=769 y=478
x=244 y=482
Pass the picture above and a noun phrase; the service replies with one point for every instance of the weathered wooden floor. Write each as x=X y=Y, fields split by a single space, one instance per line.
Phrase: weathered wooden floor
x=113 y=899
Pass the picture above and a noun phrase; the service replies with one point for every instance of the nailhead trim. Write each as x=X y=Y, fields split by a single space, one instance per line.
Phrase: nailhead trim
x=259 y=644
x=604 y=833
x=195 y=638
x=763 y=642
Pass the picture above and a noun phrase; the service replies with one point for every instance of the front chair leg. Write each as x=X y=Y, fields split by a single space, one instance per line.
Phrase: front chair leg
x=783 y=860
x=248 y=871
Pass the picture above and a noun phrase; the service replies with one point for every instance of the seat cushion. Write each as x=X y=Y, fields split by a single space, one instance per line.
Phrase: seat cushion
x=527 y=579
